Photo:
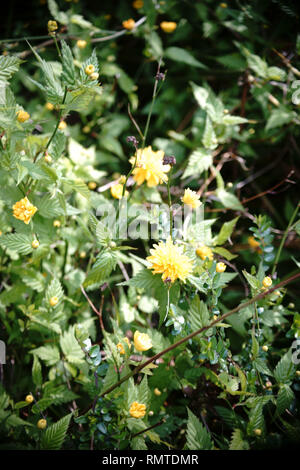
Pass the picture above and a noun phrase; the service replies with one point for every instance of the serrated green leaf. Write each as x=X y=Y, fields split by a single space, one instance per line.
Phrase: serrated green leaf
x=54 y=436
x=285 y=398
x=197 y=437
x=8 y=66
x=181 y=55
x=229 y=200
x=101 y=270
x=17 y=242
x=37 y=372
x=226 y=231
x=199 y=161
x=71 y=348
x=68 y=69
x=49 y=354
x=209 y=139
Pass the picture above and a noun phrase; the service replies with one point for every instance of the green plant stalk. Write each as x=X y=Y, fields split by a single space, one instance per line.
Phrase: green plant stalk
x=58 y=120
x=151 y=107
x=197 y=332
x=284 y=238
x=170 y=203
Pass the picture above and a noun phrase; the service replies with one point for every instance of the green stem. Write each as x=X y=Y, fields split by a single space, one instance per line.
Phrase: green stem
x=170 y=203
x=151 y=107
x=56 y=45
x=284 y=238
x=197 y=332
x=58 y=120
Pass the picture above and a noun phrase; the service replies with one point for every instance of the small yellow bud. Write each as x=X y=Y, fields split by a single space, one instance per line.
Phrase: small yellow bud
x=137 y=4
x=35 y=244
x=92 y=185
x=253 y=243
x=56 y=223
x=265 y=348
x=267 y=282
x=22 y=116
x=1 y=233
x=251 y=131
x=122 y=179
x=223 y=5
x=86 y=129
x=151 y=413
x=157 y=392
x=94 y=76
x=298 y=373
x=82 y=254
x=220 y=267
x=205 y=252
x=52 y=26
x=89 y=69
x=168 y=26
x=215 y=317
x=269 y=384
x=48 y=159
x=42 y=423
x=62 y=125
x=53 y=301
x=81 y=43
x=257 y=432
x=128 y=24
x=291 y=305
x=29 y=398
x=49 y=106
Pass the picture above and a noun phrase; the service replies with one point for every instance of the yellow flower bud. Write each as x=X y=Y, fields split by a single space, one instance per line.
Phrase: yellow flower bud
x=52 y=26
x=168 y=26
x=223 y=5
x=89 y=69
x=298 y=373
x=137 y=410
x=94 y=76
x=157 y=392
x=62 y=125
x=49 y=106
x=253 y=243
x=257 y=432
x=56 y=223
x=42 y=423
x=137 y=4
x=22 y=116
x=53 y=301
x=29 y=398
x=142 y=341
x=82 y=254
x=48 y=159
x=92 y=185
x=220 y=267
x=265 y=348
x=205 y=252
x=121 y=347
x=128 y=24
x=81 y=43
x=267 y=282
x=122 y=179
x=117 y=190
x=35 y=244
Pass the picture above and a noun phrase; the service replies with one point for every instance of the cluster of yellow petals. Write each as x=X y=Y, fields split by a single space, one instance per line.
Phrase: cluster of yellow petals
x=24 y=210
x=191 y=199
x=150 y=167
x=169 y=260
x=137 y=410
x=204 y=252
x=22 y=116
x=220 y=267
x=117 y=190
x=142 y=341
x=267 y=282
x=128 y=24
x=168 y=26
x=121 y=347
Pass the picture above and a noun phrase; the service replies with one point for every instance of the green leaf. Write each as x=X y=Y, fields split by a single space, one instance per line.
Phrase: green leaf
x=279 y=117
x=144 y=392
x=229 y=200
x=8 y=66
x=237 y=442
x=201 y=94
x=225 y=253
x=233 y=120
x=54 y=290
x=57 y=145
x=197 y=437
x=68 y=69
x=198 y=315
x=261 y=366
x=285 y=398
x=144 y=279
x=17 y=242
x=54 y=436
x=258 y=65
x=226 y=231
x=101 y=270
x=59 y=16
x=103 y=234
x=37 y=372
x=49 y=354
x=71 y=348
x=199 y=161
x=181 y=55
x=209 y=139
x=285 y=369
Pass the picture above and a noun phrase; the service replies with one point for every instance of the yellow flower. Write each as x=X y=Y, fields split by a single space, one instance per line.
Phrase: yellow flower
x=92 y=185
x=168 y=26
x=128 y=24
x=62 y=125
x=221 y=267
x=52 y=26
x=142 y=341
x=117 y=191
x=22 y=116
x=121 y=347
x=89 y=69
x=49 y=106
x=24 y=210
x=191 y=199
x=267 y=282
x=150 y=167
x=253 y=243
x=137 y=410
x=81 y=43
x=35 y=244
x=137 y=4
x=205 y=252
x=157 y=392
x=56 y=223
x=42 y=423
x=168 y=259
x=29 y=398
x=53 y=301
